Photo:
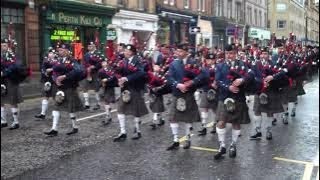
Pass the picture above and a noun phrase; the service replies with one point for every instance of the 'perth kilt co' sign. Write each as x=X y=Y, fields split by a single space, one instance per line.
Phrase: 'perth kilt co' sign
x=67 y=18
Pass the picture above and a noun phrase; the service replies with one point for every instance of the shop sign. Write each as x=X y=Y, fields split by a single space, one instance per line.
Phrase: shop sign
x=68 y=18
x=65 y=35
x=111 y=35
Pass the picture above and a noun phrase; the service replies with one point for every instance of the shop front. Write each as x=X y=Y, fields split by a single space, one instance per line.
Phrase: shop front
x=219 y=38
x=75 y=23
x=174 y=27
x=259 y=36
x=135 y=28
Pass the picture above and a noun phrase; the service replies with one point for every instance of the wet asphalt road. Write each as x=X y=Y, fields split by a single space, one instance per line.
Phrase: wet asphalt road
x=27 y=154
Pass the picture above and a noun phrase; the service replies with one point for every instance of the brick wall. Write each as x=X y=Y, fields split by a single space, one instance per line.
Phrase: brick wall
x=32 y=38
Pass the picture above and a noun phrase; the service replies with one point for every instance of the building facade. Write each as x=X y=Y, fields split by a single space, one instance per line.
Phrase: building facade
x=312 y=22
x=256 y=20
x=287 y=16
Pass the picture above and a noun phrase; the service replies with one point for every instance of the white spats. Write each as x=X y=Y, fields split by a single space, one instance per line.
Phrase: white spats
x=73 y=120
x=86 y=99
x=137 y=124
x=258 y=122
x=56 y=117
x=155 y=117
x=97 y=97
x=221 y=136
x=204 y=118
x=15 y=115
x=44 y=106
x=235 y=135
x=107 y=108
x=3 y=115
x=175 y=131
x=188 y=130
x=122 y=122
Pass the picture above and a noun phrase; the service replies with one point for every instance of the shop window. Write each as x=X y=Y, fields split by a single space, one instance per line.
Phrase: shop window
x=16 y=29
x=165 y=1
x=98 y=1
x=229 y=9
x=281 y=24
x=207 y=42
x=172 y=2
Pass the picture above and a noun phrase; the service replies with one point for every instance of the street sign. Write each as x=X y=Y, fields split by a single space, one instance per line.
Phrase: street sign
x=111 y=35
x=194 y=30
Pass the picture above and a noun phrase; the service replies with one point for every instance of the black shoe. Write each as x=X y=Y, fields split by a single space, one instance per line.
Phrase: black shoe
x=269 y=135
x=87 y=107
x=153 y=126
x=202 y=132
x=222 y=151
x=214 y=130
x=51 y=133
x=120 y=137
x=293 y=114
x=296 y=103
x=14 y=126
x=232 y=151
x=107 y=122
x=257 y=136
x=187 y=144
x=73 y=131
x=4 y=125
x=274 y=122
x=40 y=116
x=161 y=122
x=136 y=136
x=96 y=107
x=173 y=146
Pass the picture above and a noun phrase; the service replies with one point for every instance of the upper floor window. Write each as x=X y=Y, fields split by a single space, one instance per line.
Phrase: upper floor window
x=98 y=1
x=281 y=24
x=172 y=2
x=165 y=1
x=201 y=5
x=219 y=7
x=238 y=11
x=229 y=9
x=186 y=4
x=141 y=4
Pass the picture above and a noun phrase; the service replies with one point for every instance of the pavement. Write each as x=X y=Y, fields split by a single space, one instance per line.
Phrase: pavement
x=27 y=153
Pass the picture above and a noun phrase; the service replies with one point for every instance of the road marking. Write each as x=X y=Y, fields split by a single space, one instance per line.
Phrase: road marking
x=291 y=160
x=307 y=172
x=204 y=149
x=184 y=138
x=100 y=114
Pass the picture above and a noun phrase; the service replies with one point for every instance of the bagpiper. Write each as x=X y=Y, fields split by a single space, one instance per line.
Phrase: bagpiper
x=131 y=79
x=184 y=77
x=12 y=75
x=66 y=76
x=46 y=79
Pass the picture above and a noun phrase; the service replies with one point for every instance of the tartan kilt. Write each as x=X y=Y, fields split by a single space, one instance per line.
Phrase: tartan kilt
x=135 y=107
x=240 y=116
x=91 y=85
x=72 y=102
x=205 y=103
x=156 y=103
x=107 y=95
x=273 y=106
x=49 y=93
x=13 y=96
x=300 y=89
x=293 y=93
x=190 y=115
x=284 y=95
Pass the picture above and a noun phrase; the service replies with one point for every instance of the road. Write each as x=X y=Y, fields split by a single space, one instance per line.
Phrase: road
x=27 y=154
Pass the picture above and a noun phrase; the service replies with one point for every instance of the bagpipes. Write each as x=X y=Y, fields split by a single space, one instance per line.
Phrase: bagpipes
x=107 y=77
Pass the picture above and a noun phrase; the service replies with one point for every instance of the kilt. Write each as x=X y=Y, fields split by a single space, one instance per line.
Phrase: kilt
x=273 y=106
x=205 y=103
x=156 y=103
x=72 y=102
x=190 y=115
x=240 y=116
x=284 y=95
x=13 y=96
x=91 y=85
x=292 y=93
x=107 y=95
x=300 y=89
x=135 y=107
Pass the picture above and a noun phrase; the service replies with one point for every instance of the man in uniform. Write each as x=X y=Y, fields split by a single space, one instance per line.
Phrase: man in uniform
x=184 y=77
x=232 y=78
x=66 y=75
x=12 y=75
x=92 y=62
x=131 y=79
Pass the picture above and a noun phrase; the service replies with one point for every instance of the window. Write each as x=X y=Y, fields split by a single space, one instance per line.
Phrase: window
x=121 y=2
x=238 y=11
x=229 y=9
x=249 y=15
x=186 y=4
x=255 y=17
x=260 y=18
x=172 y=2
x=165 y=1
x=219 y=7
x=201 y=5
x=141 y=5
x=265 y=20
x=281 y=24
x=98 y=1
